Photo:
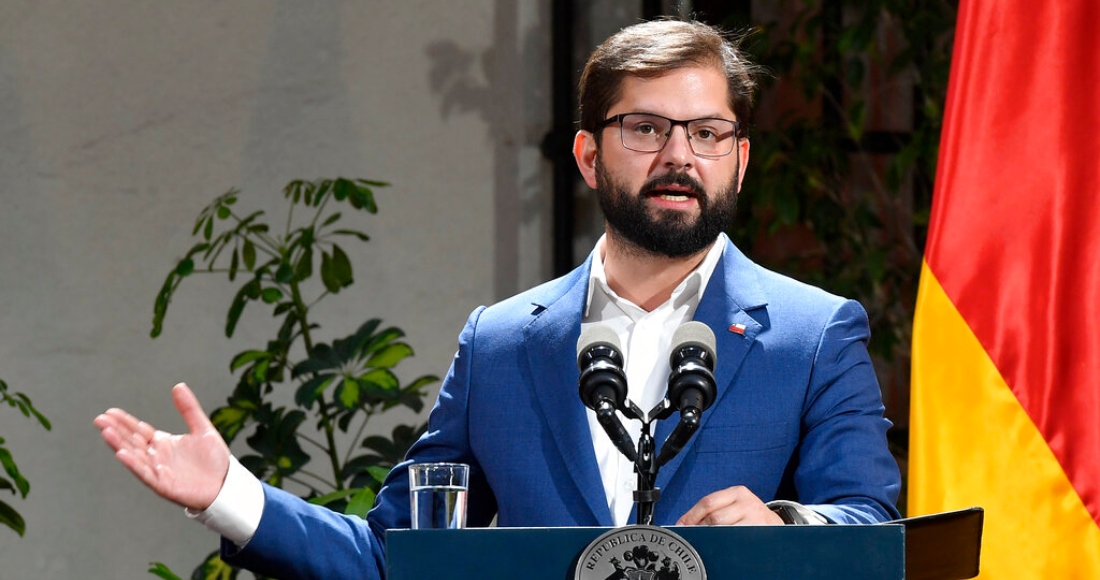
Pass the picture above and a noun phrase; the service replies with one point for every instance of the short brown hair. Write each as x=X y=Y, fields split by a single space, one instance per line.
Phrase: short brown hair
x=651 y=49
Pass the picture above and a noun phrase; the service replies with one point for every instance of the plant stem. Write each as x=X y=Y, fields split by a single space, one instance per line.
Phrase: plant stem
x=358 y=434
x=309 y=439
x=326 y=418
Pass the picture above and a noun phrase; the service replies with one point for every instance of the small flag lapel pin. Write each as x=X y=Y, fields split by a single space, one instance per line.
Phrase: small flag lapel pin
x=738 y=328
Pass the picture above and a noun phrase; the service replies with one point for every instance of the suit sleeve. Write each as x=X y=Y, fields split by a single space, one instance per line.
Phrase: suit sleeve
x=299 y=540
x=846 y=472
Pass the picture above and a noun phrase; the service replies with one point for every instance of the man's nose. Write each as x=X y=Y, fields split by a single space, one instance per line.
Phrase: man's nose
x=677 y=150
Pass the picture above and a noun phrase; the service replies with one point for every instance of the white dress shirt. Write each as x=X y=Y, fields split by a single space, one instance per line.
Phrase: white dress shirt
x=646 y=338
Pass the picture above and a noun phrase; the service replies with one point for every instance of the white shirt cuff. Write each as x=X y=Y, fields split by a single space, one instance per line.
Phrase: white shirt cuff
x=795 y=513
x=235 y=513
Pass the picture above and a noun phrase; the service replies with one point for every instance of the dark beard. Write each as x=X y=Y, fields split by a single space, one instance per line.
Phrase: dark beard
x=668 y=233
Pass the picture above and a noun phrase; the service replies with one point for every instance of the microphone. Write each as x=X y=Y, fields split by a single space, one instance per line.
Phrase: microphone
x=691 y=387
x=602 y=383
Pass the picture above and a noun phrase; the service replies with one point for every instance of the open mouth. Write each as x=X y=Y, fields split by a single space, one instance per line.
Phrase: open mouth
x=673 y=193
x=673 y=188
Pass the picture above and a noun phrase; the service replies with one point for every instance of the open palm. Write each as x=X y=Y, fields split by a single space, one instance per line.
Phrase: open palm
x=188 y=469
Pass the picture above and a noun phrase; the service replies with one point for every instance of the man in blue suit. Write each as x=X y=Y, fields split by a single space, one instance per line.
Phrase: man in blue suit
x=796 y=433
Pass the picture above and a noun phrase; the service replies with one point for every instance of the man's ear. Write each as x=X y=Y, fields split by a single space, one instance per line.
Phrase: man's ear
x=584 y=151
x=743 y=158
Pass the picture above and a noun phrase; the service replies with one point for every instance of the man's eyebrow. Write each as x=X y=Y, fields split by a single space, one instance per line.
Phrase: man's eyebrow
x=719 y=116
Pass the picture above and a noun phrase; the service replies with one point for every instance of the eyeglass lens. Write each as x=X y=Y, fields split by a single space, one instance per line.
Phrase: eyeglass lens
x=648 y=133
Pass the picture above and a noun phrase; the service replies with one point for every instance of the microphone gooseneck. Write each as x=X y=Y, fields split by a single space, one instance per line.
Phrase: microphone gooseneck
x=691 y=386
x=602 y=383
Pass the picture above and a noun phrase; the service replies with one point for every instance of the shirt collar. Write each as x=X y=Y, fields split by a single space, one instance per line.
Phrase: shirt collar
x=691 y=288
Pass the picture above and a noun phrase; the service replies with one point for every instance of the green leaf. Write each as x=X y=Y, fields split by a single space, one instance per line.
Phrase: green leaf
x=234 y=264
x=213 y=568
x=249 y=291
x=381 y=381
x=380 y=340
x=332 y=218
x=342 y=189
x=229 y=421
x=208 y=229
x=359 y=235
x=11 y=518
x=341 y=266
x=328 y=274
x=390 y=355
x=367 y=328
x=364 y=198
x=160 y=306
x=161 y=571
x=276 y=439
x=324 y=500
x=248 y=255
x=255 y=464
x=271 y=295
x=308 y=393
x=361 y=503
x=348 y=393
x=324 y=358
x=23 y=402
x=307 y=192
x=412 y=396
x=379 y=473
x=223 y=212
x=304 y=269
x=322 y=189
x=9 y=466
x=246 y=357
x=293 y=190
x=185 y=267
x=284 y=274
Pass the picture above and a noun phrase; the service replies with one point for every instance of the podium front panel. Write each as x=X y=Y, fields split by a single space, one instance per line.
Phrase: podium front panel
x=849 y=552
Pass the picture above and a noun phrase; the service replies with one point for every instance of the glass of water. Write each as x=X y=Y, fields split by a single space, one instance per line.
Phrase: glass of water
x=438 y=494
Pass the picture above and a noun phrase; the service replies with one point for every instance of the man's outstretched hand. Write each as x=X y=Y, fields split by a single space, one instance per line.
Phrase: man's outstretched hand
x=187 y=469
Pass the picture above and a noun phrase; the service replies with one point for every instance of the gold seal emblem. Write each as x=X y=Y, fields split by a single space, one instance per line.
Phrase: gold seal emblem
x=640 y=553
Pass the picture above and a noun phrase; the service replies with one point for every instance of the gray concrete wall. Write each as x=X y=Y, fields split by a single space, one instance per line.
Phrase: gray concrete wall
x=120 y=120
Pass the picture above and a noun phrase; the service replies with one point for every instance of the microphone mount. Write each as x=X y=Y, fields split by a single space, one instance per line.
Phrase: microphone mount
x=691 y=390
x=645 y=461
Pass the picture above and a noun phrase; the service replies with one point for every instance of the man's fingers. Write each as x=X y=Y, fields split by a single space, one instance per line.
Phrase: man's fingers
x=731 y=506
x=121 y=421
x=111 y=437
x=138 y=464
x=120 y=430
x=702 y=509
x=189 y=407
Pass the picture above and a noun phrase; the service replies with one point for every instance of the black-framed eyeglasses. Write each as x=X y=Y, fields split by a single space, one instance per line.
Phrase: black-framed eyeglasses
x=648 y=133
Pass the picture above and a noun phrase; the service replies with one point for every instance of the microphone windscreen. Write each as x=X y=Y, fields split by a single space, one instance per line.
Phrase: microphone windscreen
x=693 y=333
x=596 y=335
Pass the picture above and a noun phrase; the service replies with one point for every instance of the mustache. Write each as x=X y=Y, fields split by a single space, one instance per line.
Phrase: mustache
x=695 y=188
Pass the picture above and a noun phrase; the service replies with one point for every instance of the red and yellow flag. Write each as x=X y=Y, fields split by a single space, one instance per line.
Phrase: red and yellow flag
x=1006 y=340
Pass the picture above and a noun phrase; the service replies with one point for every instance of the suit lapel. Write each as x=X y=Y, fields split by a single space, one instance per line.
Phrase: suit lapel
x=732 y=293
x=550 y=344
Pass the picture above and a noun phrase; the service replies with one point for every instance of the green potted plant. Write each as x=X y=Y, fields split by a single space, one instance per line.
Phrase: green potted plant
x=338 y=385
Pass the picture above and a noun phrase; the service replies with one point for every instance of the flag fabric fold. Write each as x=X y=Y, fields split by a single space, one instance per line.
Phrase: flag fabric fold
x=1006 y=349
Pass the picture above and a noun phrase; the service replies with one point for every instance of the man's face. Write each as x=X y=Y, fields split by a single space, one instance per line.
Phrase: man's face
x=639 y=219
x=671 y=202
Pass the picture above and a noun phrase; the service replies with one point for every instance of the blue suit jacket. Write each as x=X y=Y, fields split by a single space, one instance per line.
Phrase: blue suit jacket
x=798 y=416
